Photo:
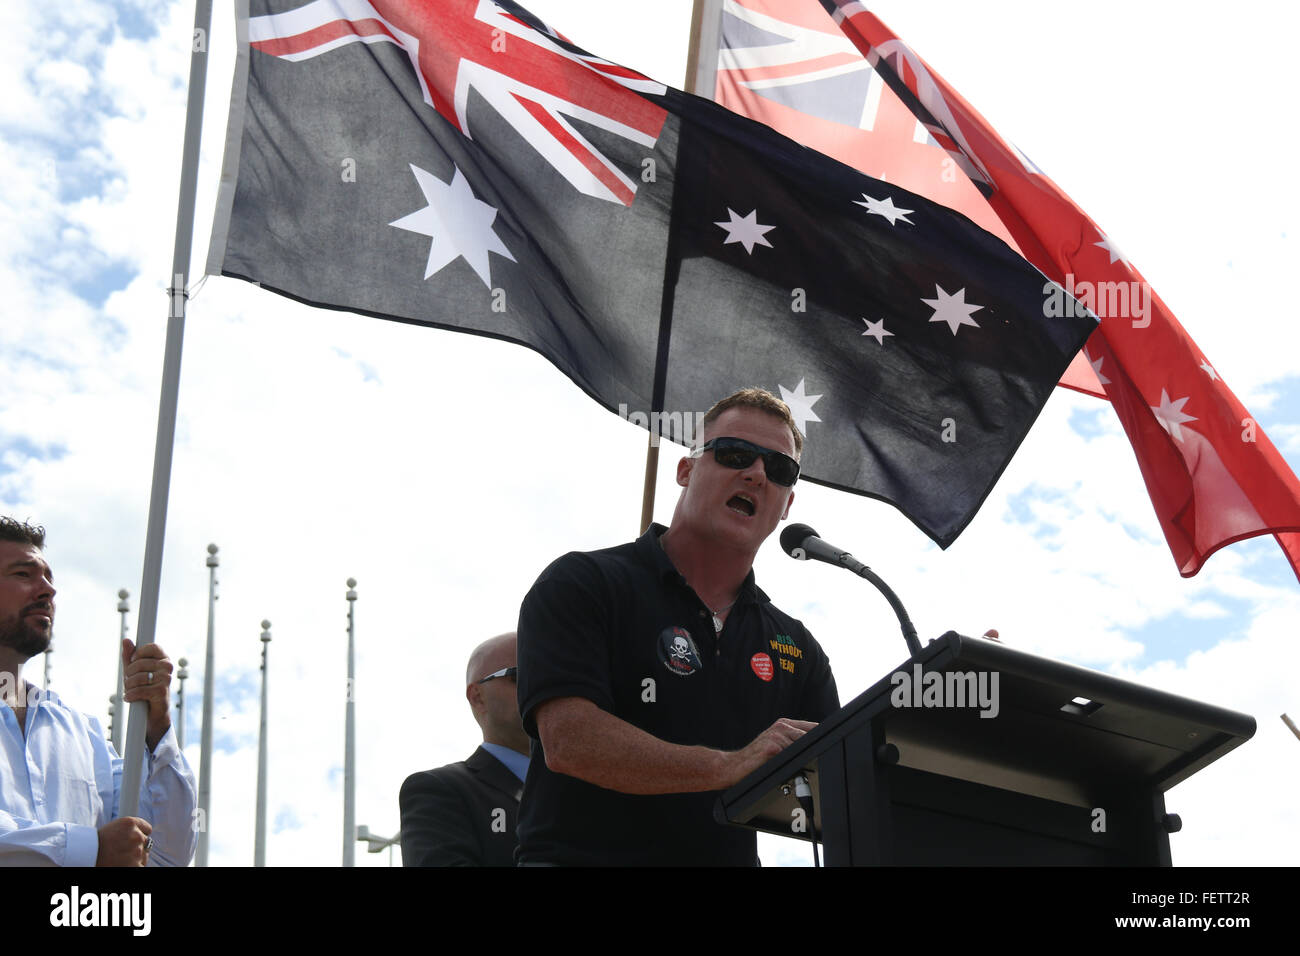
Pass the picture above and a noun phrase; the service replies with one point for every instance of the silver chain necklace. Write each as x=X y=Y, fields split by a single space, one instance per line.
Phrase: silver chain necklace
x=717 y=620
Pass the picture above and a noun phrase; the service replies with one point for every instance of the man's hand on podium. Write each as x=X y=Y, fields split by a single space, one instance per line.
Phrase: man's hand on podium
x=768 y=744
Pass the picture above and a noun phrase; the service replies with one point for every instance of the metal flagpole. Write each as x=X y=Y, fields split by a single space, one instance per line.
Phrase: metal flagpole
x=48 y=651
x=259 y=839
x=702 y=58
x=205 y=733
x=133 y=764
x=180 y=703
x=701 y=73
x=350 y=742
x=122 y=609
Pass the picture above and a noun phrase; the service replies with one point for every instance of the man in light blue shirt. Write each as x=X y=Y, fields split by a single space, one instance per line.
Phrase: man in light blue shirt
x=60 y=780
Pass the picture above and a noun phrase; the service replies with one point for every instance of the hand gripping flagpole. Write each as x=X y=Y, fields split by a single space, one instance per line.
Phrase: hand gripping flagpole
x=171 y=379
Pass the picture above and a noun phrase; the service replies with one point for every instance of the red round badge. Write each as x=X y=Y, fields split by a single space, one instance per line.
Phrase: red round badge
x=762 y=665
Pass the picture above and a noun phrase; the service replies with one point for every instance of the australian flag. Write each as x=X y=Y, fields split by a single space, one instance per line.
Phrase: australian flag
x=458 y=164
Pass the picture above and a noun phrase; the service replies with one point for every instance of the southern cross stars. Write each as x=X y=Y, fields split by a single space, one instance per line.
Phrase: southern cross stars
x=885 y=208
x=457 y=222
x=1112 y=250
x=800 y=406
x=1096 y=367
x=877 y=330
x=746 y=230
x=1170 y=414
x=953 y=309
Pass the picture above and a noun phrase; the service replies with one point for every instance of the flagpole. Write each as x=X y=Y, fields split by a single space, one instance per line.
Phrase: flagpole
x=122 y=609
x=648 y=487
x=259 y=836
x=701 y=71
x=167 y=402
x=209 y=694
x=1291 y=724
x=702 y=58
x=181 y=675
x=350 y=740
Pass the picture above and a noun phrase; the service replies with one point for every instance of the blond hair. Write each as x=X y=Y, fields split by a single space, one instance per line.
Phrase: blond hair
x=764 y=401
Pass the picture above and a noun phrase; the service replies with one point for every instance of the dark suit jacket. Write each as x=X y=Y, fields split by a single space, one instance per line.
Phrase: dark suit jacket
x=453 y=816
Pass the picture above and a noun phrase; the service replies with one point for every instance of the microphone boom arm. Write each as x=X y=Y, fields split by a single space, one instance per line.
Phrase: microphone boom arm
x=905 y=622
x=802 y=542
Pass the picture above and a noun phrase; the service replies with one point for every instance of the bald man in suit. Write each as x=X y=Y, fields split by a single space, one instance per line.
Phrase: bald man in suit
x=464 y=814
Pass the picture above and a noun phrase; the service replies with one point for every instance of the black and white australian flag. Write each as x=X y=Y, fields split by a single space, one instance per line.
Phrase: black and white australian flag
x=459 y=164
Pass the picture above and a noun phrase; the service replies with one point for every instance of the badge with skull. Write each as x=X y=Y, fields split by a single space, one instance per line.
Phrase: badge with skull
x=678 y=651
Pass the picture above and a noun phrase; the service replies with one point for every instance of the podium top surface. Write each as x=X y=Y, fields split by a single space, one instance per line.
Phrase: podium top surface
x=1059 y=721
x=1050 y=730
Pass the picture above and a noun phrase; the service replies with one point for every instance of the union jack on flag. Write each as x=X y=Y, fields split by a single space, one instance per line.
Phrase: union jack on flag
x=523 y=83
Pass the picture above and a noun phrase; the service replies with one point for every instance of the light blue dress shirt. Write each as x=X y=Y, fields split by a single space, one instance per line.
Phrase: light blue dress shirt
x=62 y=781
x=515 y=762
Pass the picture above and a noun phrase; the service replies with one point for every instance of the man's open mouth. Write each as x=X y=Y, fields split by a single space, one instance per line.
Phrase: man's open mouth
x=741 y=505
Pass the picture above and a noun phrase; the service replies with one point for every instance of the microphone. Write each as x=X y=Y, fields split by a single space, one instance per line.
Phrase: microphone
x=803 y=543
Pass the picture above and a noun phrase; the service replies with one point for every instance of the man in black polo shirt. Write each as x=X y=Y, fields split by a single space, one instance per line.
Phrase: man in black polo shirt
x=655 y=674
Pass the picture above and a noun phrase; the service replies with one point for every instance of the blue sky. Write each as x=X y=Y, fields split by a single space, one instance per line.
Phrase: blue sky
x=315 y=446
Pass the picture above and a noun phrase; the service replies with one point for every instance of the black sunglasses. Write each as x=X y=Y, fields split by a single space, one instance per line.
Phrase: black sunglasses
x=509 y=672
x=739 y=454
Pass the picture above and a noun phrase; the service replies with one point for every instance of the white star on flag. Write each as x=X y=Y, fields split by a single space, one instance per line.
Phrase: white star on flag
x=1170 y=414
x=877 y=330
x=1096 y=367
x=1112 y=250
x=745 y=230
x=885 y=208
x=1214 y=376
x=800 y=406
x=953 y=309
x=458 y=224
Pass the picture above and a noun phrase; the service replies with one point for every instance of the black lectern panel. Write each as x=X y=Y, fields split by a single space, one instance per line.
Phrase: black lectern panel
x=1068 y=765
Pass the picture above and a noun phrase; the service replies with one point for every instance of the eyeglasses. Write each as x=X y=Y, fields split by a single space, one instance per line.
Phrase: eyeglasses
x=508 y=672
x=739 y=454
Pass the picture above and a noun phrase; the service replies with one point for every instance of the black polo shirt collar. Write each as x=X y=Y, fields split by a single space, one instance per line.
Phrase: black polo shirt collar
x=651 y=551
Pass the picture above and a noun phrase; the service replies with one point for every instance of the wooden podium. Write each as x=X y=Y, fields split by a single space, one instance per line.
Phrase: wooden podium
x=1069 y=768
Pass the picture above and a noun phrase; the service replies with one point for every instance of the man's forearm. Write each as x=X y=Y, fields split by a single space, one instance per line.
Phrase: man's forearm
x=169 y=801
x=154 y=732
x=583 y=741
x=29 y=843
